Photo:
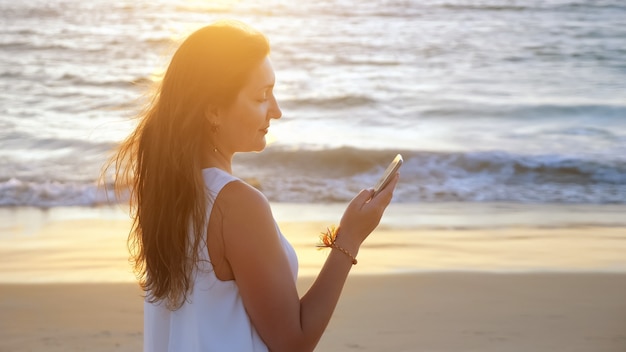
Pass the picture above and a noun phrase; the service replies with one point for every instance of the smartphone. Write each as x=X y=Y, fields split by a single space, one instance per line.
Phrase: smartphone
x=388 y=174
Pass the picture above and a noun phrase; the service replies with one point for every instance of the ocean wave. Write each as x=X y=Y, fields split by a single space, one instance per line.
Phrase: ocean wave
x=366 y=61
x=533 y=111
x=17 y=140
x=44 y=45
x=536 y=6
x=347 y=161
x=336 y=175
x=333 y=102
x=485 y=7
x=40 y=10
x=613 y=5
x=102 y=81
x=569 y=111
x=15 y=192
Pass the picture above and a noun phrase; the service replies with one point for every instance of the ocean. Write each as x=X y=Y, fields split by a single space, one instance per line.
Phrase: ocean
x=494 y=101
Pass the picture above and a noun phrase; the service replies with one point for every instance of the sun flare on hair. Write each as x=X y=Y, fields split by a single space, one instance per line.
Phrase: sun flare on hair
x=157 y=75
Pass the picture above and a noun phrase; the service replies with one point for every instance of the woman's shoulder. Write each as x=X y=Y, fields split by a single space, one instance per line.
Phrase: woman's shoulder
x=240 y=198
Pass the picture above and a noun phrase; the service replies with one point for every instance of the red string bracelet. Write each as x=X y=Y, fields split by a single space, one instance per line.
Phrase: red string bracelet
x=328 y=239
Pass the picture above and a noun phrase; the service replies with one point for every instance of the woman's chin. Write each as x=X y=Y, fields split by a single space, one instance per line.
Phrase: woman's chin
x=259 y=147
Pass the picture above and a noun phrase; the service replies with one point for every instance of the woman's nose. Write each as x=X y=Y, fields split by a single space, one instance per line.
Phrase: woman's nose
x=275 y=112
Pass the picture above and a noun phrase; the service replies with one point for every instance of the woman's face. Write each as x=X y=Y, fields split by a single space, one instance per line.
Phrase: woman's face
x=244 y=124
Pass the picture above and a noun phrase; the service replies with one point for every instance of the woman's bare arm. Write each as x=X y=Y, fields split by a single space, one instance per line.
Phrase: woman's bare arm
x=253 y=249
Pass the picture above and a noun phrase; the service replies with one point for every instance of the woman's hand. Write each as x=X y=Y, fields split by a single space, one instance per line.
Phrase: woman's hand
x=363 y=215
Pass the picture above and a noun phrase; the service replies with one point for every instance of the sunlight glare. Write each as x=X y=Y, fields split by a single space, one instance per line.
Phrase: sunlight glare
x=270 y=139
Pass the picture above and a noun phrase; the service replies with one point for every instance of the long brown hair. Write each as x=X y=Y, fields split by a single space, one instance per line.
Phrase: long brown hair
x=160 y=162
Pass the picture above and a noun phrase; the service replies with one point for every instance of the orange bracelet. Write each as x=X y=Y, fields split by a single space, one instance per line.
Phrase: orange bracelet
x=328 y=238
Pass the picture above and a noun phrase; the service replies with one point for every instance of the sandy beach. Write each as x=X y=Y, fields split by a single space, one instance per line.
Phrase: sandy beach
x=65 y=284
x=411 y=312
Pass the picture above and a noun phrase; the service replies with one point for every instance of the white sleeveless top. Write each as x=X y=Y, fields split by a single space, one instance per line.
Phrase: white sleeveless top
x=214 y=318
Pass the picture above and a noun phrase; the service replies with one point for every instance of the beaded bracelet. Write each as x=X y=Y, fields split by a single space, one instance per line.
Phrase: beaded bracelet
x=328 y=239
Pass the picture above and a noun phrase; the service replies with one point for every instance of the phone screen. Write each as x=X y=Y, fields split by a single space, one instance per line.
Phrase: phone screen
x=388 y=174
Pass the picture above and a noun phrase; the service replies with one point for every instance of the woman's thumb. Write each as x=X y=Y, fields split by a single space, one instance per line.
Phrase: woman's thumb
x=363 y=197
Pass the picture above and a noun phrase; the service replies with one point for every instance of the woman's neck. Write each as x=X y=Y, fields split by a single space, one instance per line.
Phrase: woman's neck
x=218 y=159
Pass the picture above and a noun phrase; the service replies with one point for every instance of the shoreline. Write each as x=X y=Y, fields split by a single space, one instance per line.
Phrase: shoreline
x=436 y=215
x=89 y=244
x=395 y=312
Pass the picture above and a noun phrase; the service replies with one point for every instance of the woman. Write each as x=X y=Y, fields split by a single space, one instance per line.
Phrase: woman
x=217 y=272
